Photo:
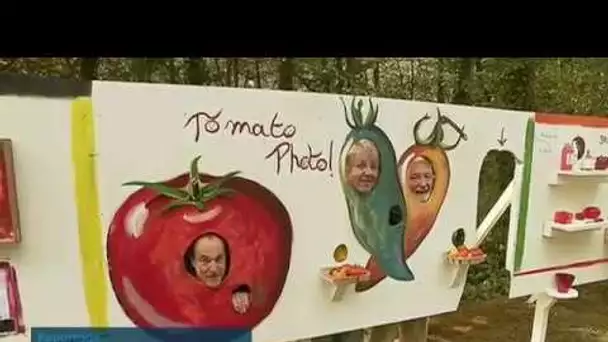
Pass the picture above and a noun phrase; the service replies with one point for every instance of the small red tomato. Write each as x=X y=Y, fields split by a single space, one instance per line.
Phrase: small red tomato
x=153 y=228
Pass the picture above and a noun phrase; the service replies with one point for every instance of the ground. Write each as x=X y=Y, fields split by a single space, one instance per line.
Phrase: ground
x=584 y=319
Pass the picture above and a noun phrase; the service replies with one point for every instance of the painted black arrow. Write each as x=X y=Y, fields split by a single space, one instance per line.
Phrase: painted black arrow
x=502 y=140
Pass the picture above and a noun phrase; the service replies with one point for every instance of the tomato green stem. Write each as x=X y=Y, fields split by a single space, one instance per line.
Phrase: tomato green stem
x=196 y=193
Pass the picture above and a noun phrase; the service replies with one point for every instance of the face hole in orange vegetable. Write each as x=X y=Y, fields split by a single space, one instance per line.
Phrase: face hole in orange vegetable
x=421 y=178
x=340 y=253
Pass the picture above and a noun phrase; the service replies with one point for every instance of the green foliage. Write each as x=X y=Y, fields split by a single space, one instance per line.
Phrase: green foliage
x=561 y=85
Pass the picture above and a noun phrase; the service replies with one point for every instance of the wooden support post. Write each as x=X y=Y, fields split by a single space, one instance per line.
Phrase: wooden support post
x=414 y=331
x=544 y=302
x=542 y=308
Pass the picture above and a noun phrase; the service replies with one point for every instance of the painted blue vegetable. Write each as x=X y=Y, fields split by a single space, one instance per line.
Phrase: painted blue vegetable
x=376 y=205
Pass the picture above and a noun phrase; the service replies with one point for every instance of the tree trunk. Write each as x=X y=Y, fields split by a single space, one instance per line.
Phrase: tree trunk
x=258 y=74
x=235 y=72
x=139 y=69
x=326 y=78
x=286 y=74
x=440 y=80
x=219 y=72
x=340 y=74
x=172 y=70
x=413 y=64
x=465 y=75
x=197 y=71
x=228 y=74
x=520 y=94
x=351 y=74
x=529 y=78
x=88 y=68
x=193 y=71
x=377 y=76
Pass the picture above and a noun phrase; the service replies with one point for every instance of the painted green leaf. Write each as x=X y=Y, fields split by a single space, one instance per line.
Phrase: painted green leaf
x=174 y=205
x=199 y=205
x=373 y=114
x=223 y=179
x=356 y=113
x=215 y=192
x=161 y=189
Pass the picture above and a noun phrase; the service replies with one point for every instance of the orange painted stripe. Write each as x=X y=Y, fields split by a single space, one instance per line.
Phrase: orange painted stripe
x=571 y=120
x=582 y=264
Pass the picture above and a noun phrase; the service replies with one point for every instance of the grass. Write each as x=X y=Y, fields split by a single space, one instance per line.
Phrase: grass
x=584 y=319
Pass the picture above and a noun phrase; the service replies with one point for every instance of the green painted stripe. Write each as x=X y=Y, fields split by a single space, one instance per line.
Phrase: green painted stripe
x=525 y=195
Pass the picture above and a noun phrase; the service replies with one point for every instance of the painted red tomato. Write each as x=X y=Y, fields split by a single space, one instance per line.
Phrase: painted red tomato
x=149 y=236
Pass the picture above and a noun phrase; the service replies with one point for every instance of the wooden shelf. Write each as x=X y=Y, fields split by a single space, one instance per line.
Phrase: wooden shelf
x=461 y=266
x=575 y=227
x=338 y=286
x=476 y=260
x=553 y=293
x=595 y=176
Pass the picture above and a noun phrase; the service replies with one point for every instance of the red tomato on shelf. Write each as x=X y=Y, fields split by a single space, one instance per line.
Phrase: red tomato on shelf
x=147 y=241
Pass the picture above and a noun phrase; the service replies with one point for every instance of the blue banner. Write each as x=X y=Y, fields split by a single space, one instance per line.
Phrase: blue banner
x=40 y=334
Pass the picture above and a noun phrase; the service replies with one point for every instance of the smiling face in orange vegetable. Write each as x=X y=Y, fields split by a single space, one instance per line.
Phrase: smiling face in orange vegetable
x=424 y=172
x=420 y=178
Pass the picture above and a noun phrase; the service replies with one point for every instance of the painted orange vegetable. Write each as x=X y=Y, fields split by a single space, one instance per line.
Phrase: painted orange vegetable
x=422 y=207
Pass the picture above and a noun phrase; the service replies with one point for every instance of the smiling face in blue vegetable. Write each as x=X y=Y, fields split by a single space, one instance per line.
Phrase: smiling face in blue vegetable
x=376 y=207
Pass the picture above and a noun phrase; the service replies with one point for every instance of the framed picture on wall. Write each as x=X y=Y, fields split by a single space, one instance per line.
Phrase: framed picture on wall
x=10 y=231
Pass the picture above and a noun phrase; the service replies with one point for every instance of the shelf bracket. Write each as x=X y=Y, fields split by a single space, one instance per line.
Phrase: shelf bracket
x=543 y=302
x=459 y=274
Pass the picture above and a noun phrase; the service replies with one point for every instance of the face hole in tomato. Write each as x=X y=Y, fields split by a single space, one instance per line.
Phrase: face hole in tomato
x=340 y=253
x=208 y=259
x=363 y=166
x=421 y=178
x=241 y=299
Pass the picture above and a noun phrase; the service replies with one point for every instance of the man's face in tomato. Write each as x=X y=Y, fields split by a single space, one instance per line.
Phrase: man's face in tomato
x=209 y=260
x=363 y=166
x=421 y=178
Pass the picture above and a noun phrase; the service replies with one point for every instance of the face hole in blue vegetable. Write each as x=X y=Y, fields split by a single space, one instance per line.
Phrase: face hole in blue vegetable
x=363 y=166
